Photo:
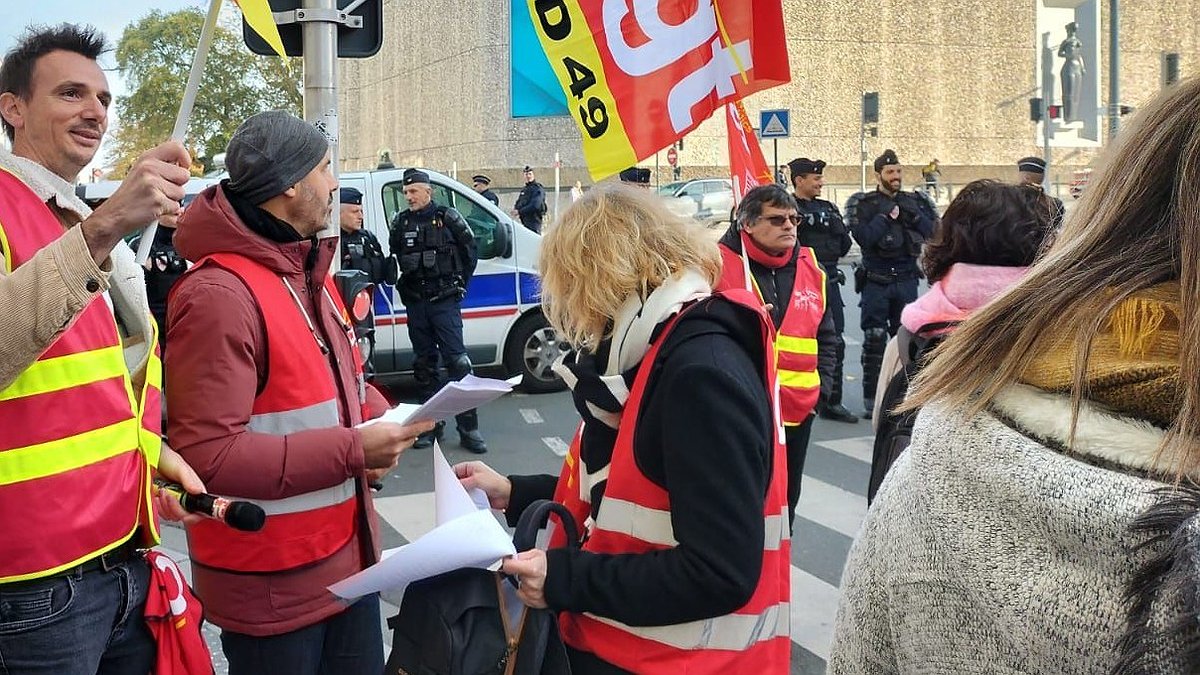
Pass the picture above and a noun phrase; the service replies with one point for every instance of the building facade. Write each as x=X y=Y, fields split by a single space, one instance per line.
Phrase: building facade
x=954 y=79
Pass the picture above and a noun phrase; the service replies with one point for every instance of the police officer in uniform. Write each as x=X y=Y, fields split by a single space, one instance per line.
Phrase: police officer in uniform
x=482 y=185
x=822 y=230
x=435 y=252
x=531 y=203
x=1032 y=171
x=360 y=248
x=890 y=226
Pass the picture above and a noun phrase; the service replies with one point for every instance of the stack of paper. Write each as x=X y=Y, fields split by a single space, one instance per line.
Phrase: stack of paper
x=467 y=535
x=454 y=398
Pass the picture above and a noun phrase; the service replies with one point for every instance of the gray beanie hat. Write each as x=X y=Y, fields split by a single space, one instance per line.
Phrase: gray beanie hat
x=270 y=152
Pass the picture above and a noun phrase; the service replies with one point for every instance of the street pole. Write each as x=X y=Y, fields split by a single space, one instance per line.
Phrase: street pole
x=1114 y=67
x=656 y=180
x=320 y=86
x=775 y=167
x=557 y=184
x=1046 y=122
x=862 y=157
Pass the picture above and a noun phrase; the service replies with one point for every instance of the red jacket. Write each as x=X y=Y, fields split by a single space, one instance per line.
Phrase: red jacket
x=216 y=348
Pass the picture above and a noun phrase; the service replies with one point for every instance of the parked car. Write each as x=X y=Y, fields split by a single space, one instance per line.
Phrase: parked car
x=707 y=200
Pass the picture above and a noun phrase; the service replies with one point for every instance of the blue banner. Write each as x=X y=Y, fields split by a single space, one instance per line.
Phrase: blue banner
x=535 y=88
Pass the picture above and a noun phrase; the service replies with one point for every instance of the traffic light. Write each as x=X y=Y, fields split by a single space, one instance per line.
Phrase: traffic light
x=1054 y=111
x=870 y=107
x=1035 y=109
x=358 y=297
x=679 y=144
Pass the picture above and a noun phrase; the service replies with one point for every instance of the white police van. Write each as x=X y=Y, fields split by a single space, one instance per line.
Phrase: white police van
x=503 y=323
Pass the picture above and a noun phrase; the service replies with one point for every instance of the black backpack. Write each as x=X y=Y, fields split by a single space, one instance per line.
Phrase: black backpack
x=895 y=429
x=464 y=623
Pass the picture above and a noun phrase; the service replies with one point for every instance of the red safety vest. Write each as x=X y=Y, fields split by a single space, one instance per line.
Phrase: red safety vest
x=635 y=517
x=796 y=339
x=76 y=444
x=300 y=393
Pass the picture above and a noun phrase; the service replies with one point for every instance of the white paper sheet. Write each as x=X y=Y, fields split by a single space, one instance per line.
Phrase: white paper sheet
x=454 y=398
x=465 y=536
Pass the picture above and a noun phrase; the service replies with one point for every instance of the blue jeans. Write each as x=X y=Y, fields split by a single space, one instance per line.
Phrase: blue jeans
x=86 y=623
x=350 y=642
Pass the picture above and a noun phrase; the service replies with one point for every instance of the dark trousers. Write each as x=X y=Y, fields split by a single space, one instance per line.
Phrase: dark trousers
x=84 y=623
x=797 y=449
x=349 y=642
x=436 y=330
x=833 y=301
x=881 y=305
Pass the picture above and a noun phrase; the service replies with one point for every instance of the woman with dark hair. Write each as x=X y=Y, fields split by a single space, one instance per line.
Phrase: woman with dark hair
x=986 y=240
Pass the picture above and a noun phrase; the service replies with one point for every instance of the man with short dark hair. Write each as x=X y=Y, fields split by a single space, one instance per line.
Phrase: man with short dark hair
x=79 y=373
x=272 y=409
x=1032 y=171
x=482 y=184
x=531 y=203
x=890 y=225
x=822 y=230
x=435 y=251
x=761 y=253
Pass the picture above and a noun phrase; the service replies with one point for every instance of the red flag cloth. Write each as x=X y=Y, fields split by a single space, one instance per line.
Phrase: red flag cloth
x=173 y=615
x=639 y=74
x=747 y=166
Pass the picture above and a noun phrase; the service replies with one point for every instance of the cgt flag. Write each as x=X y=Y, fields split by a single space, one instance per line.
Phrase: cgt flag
x=747 y=165
x=639 y=74
x=258 y=16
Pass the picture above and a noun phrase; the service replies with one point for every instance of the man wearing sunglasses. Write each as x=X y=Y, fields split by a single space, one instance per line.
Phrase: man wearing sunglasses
x=761 y=253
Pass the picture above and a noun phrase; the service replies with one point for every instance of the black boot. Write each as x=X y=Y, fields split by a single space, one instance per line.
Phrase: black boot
x=839 y=413
x=426 y=439
x=869 y=404
x=472 y=441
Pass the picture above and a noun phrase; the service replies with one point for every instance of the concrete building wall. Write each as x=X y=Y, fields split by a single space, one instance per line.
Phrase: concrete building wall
x=954 y=78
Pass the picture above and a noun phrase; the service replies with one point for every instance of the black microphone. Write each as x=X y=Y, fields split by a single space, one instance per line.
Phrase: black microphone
x=246 y=516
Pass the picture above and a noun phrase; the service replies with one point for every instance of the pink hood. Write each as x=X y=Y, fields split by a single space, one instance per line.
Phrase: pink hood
x=964 y=289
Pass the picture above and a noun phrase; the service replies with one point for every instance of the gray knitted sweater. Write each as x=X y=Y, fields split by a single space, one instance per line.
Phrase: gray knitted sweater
x=989 y=549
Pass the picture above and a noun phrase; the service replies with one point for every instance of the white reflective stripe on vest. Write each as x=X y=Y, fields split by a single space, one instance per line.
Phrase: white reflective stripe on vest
x=307 y=501
x=733 y=632
x=654 y=526
x=318 y=416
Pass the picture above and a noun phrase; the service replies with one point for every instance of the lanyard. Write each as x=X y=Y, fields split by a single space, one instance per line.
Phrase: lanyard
x=308 y=320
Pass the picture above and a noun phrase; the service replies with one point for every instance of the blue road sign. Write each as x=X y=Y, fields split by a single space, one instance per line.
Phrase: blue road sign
x=774 y=123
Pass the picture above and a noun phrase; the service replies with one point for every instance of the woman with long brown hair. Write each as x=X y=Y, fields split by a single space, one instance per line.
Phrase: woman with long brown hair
x=1042 y=518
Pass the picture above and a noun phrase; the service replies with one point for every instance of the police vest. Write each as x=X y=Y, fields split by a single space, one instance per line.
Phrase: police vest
x=300 y=393
x=430 y=261
x=822 y=230
x=795 y=341
x=76 y=444
x=635 y=517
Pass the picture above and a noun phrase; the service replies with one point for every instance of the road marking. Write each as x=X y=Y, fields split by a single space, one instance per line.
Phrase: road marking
x=557 y=445
x=532 y=416
x=860 y=448
x=831 y=506
x=813 y=609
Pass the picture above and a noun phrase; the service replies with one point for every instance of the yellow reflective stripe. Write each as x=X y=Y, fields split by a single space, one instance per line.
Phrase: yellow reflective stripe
x=67 y=372
x=68 y=565
x=151 y=444
x=73 y=452
x=799 y=380
x=732 y=632
x=6 y=251
x=796 y=345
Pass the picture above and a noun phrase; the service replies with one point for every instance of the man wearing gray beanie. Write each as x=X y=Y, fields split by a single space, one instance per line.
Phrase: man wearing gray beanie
x=266 y=399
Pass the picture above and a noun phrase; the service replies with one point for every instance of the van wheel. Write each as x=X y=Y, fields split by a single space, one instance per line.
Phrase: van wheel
x=532 y=349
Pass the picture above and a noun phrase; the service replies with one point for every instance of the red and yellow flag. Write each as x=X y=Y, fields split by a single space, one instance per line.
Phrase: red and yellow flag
x=258 y=16
x=639 y=74
x=747 y=166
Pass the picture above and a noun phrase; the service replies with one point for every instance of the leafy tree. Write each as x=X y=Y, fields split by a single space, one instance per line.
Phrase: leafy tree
x=155 y=56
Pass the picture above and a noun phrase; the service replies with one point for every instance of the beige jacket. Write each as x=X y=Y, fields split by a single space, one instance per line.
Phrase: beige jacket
x=43 y=296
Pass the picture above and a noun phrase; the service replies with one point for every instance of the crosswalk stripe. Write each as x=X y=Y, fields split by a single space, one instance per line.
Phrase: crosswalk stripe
x=831 y=506
x=814 y=608
x=857 y=448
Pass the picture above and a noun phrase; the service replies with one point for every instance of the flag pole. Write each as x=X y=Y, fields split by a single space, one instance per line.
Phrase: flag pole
x=185 y=108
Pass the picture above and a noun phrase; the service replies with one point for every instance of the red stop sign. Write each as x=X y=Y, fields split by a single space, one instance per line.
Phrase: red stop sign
x=672 y=157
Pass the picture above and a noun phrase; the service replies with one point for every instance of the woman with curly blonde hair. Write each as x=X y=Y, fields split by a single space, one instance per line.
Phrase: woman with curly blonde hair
x=677 y=472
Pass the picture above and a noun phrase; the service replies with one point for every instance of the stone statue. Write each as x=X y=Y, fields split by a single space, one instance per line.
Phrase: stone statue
x=1071 y=75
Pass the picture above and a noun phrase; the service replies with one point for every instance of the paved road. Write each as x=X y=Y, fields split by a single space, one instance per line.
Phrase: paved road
x=528 y=434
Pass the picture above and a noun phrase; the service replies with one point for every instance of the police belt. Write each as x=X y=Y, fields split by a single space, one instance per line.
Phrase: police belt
x=889 y=277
